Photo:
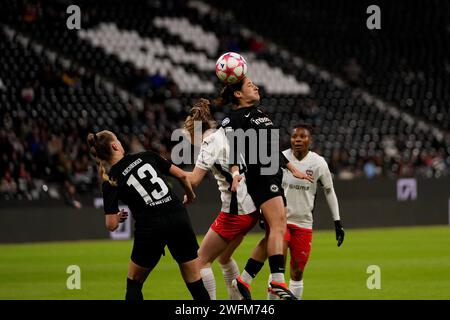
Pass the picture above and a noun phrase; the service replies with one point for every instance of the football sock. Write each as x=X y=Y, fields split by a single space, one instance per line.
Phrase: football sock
x=276 y=263
x=251 y=270
x=296 y=288
x=198 y=290
x=134 y=290
x=209 y=282
x=230 y=271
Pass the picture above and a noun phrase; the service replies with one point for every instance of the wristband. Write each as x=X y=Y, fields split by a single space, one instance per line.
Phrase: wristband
x=236 y=173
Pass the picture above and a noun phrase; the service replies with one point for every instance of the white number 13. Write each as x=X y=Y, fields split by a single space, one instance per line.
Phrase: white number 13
x=132 y=181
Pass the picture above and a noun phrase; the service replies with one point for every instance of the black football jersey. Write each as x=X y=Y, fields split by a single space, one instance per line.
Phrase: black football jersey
x=254 y=118
x=140 y=185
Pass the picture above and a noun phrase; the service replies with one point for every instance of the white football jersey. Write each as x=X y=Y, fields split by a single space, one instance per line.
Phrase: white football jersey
x=300 y=194
x=214 y=155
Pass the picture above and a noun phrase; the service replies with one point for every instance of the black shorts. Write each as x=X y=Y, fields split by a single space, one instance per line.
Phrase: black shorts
x=171 y=228
x=263 y=188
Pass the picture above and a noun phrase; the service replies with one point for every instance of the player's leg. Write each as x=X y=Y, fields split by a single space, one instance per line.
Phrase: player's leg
x=190 y=272
x=212 y=245
x=183 y=246
x=230 y=269
x=287 y=239
x=144 y=257
x=135 y=280
x=275 y=217
x=300 y=248
x=254 y=264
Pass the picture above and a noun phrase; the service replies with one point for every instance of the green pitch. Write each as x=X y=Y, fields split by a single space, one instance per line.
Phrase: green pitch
x=414 y=263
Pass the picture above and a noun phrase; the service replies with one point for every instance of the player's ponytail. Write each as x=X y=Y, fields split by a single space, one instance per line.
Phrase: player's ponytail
x=100 y=148
x=200 y=112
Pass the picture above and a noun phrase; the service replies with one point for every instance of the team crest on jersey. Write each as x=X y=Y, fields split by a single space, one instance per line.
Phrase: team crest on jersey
x=274 y=188
x=310 y=173
x=225 y=122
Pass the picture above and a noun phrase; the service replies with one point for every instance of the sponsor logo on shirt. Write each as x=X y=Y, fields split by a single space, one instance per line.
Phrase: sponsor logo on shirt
x=295 y=186
x=260 y=120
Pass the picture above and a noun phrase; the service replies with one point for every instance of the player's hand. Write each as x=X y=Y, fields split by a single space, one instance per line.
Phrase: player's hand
x=188 y=199
x=300 y=175
x=339 y=232
x=123 y=215
x=77 y=204
x=235 y=183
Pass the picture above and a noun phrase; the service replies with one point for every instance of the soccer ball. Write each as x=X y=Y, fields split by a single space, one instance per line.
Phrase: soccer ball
x=231 y=67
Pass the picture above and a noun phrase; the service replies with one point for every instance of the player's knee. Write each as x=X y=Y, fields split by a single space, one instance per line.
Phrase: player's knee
x=278 y=230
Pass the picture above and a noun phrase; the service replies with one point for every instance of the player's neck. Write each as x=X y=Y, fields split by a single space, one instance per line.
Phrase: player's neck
x=245 y=105
x=299 y=155
x=115 y=158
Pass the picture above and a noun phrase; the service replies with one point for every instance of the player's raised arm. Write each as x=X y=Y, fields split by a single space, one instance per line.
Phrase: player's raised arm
x=182 y=177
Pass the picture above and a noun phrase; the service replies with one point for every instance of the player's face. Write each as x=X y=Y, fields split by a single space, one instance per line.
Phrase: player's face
x=116 y=145
x=300 y=139
x=249 y=91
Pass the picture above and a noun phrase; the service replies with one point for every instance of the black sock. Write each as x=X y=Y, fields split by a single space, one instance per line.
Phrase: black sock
x=276 y=263
x=253 y=267
x=134 y=290
x=198 y=290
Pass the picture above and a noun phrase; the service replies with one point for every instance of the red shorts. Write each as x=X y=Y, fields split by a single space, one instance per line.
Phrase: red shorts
x=299 y=243
x=229 y=226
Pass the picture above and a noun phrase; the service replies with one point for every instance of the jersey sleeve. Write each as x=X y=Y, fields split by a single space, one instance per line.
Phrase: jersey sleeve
x=110 y=198
x=283 y=160
x=208 y=154
x=325 y=177
x=161 y=163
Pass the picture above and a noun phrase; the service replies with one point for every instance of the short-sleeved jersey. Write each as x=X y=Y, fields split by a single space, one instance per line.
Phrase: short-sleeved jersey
x=140 y=185
x=301 y=194
x=254 y=118
x=213 y=156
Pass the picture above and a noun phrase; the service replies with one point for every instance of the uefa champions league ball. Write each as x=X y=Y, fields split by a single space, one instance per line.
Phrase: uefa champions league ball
x=231 y=67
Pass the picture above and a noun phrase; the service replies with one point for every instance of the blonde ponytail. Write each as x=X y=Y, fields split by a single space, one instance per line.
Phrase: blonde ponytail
x=99 y=148
x=199 y=112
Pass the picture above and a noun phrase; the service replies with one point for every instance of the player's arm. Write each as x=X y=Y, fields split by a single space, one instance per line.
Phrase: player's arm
x=196 y=176
x=236 y=177
x=183 y=178
x=113 y=216
x=332 y=201
x=168 y=168
x=210 y=151
x=297 y=173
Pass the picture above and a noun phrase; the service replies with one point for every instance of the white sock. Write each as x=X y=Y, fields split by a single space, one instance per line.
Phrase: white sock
x=209 y=281
x=230 y=272
x=296 y=288
x=246 y=277
x=271 y=296
x=278 y=277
